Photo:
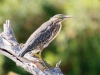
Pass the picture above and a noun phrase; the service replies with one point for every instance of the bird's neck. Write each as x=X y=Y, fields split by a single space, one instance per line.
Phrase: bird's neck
x=56 y=21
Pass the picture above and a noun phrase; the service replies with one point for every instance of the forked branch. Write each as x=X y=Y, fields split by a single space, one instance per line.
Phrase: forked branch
x=9 y=47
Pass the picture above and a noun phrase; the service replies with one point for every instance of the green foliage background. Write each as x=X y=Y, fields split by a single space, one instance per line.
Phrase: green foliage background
x=77 y=45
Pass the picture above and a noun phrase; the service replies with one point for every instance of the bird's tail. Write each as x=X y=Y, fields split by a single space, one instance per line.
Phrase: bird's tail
x=23 y=52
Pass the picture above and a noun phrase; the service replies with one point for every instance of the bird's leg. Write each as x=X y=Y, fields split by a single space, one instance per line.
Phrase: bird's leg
x=40 y=58
x=38 y=54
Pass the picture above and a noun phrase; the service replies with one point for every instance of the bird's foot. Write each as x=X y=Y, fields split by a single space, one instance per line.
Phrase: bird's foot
x=43 y=62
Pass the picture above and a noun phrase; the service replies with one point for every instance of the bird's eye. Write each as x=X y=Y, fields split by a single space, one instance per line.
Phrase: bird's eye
x=60 y=17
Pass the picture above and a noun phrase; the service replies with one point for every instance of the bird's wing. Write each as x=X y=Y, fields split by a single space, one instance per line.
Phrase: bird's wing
x=38 y=37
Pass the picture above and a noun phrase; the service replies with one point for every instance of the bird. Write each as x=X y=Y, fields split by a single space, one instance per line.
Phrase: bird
x=42 y=37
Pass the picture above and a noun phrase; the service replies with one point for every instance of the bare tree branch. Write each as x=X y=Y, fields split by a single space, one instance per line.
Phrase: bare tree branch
x=10 y=48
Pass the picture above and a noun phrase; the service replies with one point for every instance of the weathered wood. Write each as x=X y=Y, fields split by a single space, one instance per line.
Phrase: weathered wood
x=10 y=48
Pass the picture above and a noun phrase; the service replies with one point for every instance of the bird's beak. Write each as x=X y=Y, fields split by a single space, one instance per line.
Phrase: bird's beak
x=67 y=16
x=64 y=17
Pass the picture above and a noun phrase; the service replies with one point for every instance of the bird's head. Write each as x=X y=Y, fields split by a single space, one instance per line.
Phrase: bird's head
x=60 y=17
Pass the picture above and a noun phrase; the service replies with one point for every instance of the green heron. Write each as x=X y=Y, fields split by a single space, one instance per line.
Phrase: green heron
x=43 y=36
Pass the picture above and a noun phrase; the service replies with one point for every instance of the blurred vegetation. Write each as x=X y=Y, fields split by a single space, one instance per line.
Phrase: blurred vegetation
x=77 y=45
